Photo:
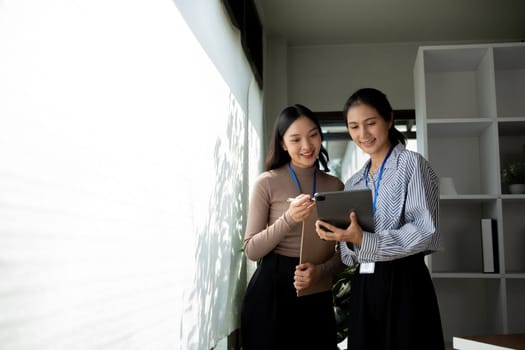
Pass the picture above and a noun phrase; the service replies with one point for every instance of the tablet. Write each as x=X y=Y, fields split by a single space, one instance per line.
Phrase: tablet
x=335 y=207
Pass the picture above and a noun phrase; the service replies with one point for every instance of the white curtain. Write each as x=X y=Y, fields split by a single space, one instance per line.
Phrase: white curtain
x=124 y=160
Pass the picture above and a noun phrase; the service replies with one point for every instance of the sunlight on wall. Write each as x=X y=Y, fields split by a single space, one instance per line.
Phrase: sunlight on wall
x=118 y=140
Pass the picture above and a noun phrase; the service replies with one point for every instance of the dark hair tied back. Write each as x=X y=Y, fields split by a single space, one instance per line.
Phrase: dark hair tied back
x=378 y=100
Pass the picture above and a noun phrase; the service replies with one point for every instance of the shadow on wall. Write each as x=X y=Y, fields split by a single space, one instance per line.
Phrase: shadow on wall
x=218 y=285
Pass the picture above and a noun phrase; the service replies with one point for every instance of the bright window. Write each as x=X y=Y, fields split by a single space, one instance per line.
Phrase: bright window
x=123 y=159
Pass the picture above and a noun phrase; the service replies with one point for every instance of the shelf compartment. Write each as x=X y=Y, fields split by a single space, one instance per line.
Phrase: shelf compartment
x=460 y=227
x=470 y=306
x=509 y=66
x=514 y=234
x=516 y=305
x=465 y=152
x=511 y=143
x=512 y=126
x=459 y=83
x=457 y=127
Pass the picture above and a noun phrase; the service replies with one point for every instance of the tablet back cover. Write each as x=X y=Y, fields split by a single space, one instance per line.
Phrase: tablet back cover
x=335 y=207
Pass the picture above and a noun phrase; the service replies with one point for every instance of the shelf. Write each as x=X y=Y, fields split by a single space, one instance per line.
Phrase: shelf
x=468 y=159
x=513 y=197
x=460 y=227
x=469 y=198
x=470 y=110
x=512 y=126
x=509 y=66
x=490 y=342
x=458 y=83
x=514 y=234
x=470 y=306
x=459 y=275
x=458 y=127
x=453 y=59
x=511 y=143
x=516 y=305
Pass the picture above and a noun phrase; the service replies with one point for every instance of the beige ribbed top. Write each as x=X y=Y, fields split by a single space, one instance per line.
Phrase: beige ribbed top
x=269 y=227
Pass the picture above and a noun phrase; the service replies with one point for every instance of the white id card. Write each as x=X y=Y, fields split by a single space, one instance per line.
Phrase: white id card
x=367 y=267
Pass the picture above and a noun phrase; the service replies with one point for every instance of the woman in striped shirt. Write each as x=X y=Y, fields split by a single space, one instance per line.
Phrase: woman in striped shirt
x=393 y=302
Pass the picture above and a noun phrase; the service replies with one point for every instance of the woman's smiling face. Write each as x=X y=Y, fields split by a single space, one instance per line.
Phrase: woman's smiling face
x=368 y=129
x=302 y=141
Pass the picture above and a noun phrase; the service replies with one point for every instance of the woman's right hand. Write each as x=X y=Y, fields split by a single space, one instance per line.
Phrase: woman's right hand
x=352 y=234
x=301 y=207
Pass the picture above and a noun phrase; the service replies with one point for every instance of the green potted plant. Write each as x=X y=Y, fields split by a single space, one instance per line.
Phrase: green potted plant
x=341 y=300
x=513 y=175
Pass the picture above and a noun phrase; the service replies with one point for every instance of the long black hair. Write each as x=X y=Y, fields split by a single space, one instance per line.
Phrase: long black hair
x=277 y=156
x=375 y=99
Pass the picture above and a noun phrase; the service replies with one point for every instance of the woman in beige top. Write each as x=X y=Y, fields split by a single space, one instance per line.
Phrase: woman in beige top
x=273 y=316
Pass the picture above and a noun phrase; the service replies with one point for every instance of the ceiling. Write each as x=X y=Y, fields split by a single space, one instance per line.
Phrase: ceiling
x=332 y=22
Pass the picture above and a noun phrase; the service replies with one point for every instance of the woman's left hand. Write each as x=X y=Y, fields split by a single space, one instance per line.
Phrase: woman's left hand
x=305 y=275
x=352 y=234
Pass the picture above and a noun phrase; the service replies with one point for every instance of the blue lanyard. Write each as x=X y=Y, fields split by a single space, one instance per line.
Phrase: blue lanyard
x=294 y=177
x=376 y=192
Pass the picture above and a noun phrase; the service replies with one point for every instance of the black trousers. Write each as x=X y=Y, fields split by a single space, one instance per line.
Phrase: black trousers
x=395 y=308
x=274 y=318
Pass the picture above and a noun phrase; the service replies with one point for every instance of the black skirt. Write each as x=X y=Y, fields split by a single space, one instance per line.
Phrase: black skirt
x=395 y=308
x=274 y=318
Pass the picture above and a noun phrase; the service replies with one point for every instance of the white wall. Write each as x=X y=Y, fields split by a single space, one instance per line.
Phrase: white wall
x=275 y=81
x=323 y=77
x=207 y=19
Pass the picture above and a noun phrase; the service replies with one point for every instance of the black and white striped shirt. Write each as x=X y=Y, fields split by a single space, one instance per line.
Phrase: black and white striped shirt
x=407 y=210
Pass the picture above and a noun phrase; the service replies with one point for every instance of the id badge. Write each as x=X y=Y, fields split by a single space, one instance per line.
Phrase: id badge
x=367 y=267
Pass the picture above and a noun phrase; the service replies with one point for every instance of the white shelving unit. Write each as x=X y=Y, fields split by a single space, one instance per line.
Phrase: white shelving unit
x=470 y=117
